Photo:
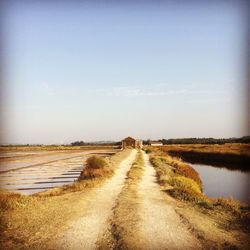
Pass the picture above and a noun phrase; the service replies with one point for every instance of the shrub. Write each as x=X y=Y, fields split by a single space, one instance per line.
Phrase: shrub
x=179 y=167
x=229 y=204
x=9 y=200
x=148 y=151
x=184 y=183
x=96 y=162
x=191 y=196
x=95 y=167
x=163 y=171
x=187 y=171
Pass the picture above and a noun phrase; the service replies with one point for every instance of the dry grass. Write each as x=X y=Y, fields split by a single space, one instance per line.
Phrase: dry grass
x=190 y=195
x=163 y=170
x=96 y=162
x=185 y=185
x=230 y=205
x=219 y=223
x=126 y=209
x=180 y=180
x=186 y=170
x=177 y=166
x=137 y=168
x=10 y=201
x=231 y=156
x=228 y=148
x=96 y=167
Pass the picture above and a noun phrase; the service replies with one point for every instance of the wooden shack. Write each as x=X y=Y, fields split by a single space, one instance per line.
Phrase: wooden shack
x=131 y=142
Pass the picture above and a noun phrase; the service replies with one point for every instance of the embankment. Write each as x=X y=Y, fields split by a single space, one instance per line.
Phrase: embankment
x=230 y=156
x=230 y=161
x=219 y=223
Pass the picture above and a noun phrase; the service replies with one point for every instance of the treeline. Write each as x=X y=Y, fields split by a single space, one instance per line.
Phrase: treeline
x=244 y=139
x=78 y=143
x=102 y=143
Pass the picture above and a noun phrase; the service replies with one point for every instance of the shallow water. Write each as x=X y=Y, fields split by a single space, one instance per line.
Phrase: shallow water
x=221 y=182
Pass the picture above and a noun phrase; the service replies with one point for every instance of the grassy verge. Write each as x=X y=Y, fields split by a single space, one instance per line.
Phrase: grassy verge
x=180 y=180
x=228 y=148
x=184 y=183
x=125 y=212
x=217 y=222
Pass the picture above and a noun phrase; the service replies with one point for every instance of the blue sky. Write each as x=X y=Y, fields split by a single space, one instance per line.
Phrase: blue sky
x=104 y=71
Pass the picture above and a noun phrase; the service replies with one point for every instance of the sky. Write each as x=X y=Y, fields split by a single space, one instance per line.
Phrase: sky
x=96 y=71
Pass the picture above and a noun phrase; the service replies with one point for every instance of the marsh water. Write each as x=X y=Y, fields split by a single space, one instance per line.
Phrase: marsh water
x=222 y=182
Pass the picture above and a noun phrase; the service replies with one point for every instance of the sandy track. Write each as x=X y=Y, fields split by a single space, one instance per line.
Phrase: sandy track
x=161 y=226
x=86 y=231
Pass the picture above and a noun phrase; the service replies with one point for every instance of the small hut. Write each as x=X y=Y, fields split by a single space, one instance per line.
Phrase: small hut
x=131 y=142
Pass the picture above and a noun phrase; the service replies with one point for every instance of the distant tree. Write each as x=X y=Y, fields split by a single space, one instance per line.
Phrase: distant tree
x=146 y=142
x=78 y=143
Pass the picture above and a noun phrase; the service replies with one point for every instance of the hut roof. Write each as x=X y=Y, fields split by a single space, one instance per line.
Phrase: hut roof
x=129 y=138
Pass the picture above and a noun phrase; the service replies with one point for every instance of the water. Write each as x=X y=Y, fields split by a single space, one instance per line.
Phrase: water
x=222 y=182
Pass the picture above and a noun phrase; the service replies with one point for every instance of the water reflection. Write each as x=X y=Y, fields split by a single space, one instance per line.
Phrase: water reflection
x=218 y=182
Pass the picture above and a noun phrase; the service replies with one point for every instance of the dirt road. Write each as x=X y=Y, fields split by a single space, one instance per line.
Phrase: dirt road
x=161 y=226
x=156 y=224
x=144 y=217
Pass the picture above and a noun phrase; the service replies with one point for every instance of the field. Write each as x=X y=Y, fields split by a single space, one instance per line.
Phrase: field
x=228 y=148
x=30 y=170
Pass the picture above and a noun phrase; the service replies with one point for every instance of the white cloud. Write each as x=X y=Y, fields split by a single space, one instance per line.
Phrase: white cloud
x=140 y=92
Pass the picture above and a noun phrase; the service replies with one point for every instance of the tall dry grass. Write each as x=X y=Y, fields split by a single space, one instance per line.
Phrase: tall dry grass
x=228 y=148
x=96 y=167
x=185 y=185
x=177 y=166
x=181 y=181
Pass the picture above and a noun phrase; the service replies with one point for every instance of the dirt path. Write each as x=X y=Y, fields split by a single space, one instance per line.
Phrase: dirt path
x=145 y=217
x=86 y=231
x=161 y=226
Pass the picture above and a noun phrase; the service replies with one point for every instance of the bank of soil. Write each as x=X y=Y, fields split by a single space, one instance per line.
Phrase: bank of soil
x=227 y=160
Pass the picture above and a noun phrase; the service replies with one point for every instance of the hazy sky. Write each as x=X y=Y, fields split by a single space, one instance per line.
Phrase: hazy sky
x=104 y=71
